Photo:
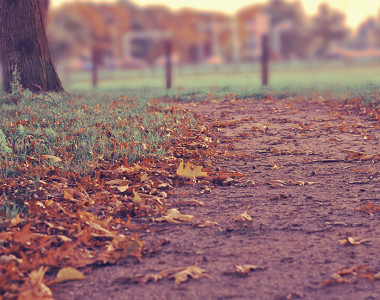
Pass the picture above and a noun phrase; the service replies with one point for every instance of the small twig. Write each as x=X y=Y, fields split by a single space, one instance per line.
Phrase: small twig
x=45 y=94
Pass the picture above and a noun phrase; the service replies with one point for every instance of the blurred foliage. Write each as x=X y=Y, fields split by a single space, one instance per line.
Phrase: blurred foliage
x=75 y=29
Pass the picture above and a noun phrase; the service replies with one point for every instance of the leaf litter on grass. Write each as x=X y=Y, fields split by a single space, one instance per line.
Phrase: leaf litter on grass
x=72 y=220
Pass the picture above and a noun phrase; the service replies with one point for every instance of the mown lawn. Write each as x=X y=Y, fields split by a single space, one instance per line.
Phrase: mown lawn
x=336 y=78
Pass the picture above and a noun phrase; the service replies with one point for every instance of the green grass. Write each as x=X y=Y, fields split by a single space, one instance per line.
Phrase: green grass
x=328 y=78
x=84 y=130
x=335 y=78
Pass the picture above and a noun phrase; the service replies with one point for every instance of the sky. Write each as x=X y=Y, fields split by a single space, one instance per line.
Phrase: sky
x=356 y=10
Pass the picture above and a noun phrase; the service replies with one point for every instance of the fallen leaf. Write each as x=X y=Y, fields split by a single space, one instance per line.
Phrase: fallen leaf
x=368 y=208
x=352 y=241
x=276 y=183
x=174 y=216
x=189 y=272
x=136 y=197
x=190 y=173
x=299 y=182
x=243 y=270
x=122 y=188
x=34 y=288
x=336 y=278
x=193 y=202
x=66 y=274
x=354 y=154
x=247 y=268
x=243 y=216
x=276 y=167
x=134 y=246
x=202 y=224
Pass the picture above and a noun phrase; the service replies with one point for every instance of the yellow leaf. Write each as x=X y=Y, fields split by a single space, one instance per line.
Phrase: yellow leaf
x=66 y=274
x=174 y=216
x=188 y=172
x=136 y=197
x=123 y=188
x=189 y=272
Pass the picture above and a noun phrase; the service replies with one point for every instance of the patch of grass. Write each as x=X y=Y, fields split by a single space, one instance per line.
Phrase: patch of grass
x=12 y=206
x=327 y=78
x=83 y=130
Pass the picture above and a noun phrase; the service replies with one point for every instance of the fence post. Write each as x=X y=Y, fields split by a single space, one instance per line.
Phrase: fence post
x=265 y=54
x=95 y=57
x=168 y=64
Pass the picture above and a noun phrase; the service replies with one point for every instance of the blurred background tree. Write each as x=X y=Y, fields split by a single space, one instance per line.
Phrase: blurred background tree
x=328 y=27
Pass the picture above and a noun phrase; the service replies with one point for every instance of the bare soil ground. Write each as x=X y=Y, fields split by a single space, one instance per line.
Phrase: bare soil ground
x=311 y=187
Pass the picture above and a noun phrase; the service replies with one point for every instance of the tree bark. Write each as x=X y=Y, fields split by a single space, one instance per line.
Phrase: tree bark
x=24 y=45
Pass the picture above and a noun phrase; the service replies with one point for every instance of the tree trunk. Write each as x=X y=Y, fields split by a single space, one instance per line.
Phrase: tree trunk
x=24 y=45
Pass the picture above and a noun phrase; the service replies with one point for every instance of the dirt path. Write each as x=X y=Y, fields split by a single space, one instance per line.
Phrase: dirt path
x=314 y=166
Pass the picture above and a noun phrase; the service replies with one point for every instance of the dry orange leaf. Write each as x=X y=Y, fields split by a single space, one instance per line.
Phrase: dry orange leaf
x=186 y=171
